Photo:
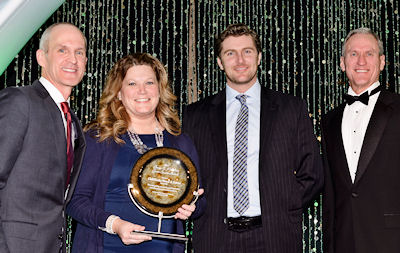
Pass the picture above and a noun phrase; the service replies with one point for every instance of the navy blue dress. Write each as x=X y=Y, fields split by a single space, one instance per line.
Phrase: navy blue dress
x=118 y=202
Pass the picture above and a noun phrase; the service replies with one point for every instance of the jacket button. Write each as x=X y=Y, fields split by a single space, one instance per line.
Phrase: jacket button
x=60 y=236
x=354 y=195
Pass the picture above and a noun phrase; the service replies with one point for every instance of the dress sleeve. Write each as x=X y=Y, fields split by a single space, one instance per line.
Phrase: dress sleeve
x=187 y=146
x=82 y=206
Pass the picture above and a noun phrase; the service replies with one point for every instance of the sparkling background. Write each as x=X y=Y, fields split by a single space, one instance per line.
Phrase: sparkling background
x=301 y=43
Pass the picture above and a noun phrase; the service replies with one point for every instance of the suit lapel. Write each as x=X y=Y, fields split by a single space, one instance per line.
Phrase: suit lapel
x=79 y=149
x=217 y=119
x=337 y=147
x=267 y=115
x=57 y=121
x=375 y=129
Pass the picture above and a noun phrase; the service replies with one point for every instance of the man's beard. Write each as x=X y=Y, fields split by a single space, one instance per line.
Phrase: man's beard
x=237 y=82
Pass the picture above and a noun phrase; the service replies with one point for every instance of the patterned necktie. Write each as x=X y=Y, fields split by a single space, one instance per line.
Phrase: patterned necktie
x=240 y=188
x=70 y=151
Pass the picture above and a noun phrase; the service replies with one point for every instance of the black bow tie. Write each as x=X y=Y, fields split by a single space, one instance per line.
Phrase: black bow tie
x=363 y=98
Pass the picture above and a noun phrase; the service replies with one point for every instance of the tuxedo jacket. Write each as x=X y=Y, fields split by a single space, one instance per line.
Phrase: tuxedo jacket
x=364 y=216
x=290 y=170
x=33 y=170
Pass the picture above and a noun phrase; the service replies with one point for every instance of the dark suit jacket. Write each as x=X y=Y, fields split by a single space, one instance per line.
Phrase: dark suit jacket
x=87 y=204
x=363 y=217
x=33 y=168
x=290 y=170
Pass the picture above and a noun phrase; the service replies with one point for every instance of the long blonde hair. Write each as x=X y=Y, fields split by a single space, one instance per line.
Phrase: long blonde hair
x=113 y=120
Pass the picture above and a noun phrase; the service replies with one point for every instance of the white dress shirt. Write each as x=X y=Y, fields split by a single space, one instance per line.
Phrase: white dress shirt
x=233 y=105
x=354 y=125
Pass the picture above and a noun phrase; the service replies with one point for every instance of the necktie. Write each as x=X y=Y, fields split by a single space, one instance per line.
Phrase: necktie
x=240 y=187
x=363 y=98
x=70 y=152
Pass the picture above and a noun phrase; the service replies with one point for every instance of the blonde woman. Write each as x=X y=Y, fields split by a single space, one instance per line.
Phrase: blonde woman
x=137 y=113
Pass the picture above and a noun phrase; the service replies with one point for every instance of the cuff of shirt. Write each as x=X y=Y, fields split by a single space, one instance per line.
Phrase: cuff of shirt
x=109 y=223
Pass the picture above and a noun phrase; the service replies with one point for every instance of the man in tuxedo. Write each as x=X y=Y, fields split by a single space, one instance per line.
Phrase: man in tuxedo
x=260 y=162
x=361 y=146
x=41 y=147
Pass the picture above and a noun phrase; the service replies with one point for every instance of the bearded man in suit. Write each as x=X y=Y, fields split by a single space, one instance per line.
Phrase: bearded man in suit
x=259 y=157
x=41 y=146
x=361 y=146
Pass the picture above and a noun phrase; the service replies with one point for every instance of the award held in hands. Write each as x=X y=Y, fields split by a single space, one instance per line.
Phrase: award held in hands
x=162 y=180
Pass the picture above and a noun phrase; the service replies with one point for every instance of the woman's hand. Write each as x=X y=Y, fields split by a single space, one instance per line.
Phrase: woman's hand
x=185 y=211
x=124 y=228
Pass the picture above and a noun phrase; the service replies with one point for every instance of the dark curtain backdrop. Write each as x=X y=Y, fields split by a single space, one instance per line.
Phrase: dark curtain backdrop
x=301 y=43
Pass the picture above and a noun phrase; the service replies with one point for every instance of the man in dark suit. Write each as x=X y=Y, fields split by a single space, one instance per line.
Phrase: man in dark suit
x=259 y=158
x=361 y=146
x=41 y=147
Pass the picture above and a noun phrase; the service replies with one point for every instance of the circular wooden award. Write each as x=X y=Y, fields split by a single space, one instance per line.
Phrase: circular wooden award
x=162 y=180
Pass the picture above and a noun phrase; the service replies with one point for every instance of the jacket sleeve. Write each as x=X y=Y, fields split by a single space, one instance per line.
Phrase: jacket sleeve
x=187 y=146
x=14 y=111
x=309 y=174
x=82 y=206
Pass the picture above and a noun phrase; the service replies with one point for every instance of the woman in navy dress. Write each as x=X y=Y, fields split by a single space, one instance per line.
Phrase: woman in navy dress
x=137 y=113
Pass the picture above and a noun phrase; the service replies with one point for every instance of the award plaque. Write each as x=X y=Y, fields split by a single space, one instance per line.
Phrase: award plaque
x=162 y=180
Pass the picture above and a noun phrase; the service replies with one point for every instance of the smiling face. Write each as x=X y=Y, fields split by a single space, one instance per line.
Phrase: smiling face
x=140 y=92
x=362 y=61
x=239 y=59
x=64 y=63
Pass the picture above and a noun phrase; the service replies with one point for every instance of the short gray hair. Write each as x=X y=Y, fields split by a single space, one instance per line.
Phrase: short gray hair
x=44 y=40
x=363 y=30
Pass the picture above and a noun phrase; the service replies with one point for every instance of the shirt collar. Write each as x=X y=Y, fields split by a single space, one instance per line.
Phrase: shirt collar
x=55 y=94
x=252 y=93
x=370 y=88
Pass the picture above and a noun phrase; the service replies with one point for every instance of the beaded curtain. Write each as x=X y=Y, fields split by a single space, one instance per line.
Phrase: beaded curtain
x=301 y=43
